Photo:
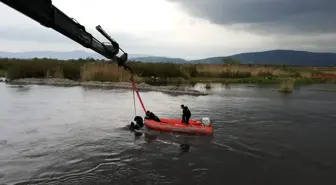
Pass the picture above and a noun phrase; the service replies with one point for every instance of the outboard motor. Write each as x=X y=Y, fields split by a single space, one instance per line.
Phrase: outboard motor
x=205 y=121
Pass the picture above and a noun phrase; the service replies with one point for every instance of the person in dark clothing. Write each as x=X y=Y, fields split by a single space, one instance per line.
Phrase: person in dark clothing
x=186 y=114
x=139 y=121
x=150 y=115
x=133 y=126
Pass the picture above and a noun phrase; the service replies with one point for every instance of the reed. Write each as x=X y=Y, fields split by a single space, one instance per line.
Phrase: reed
x=287 y=86
x=237 y=71
x=103 y=72
x=97 y=70
x=56 y=72
x=3 y=73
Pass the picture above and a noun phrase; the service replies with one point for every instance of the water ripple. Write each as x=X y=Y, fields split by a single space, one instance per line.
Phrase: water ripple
x=55 y=135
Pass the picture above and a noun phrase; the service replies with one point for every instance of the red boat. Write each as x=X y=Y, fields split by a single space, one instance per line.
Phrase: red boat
x=202 y=126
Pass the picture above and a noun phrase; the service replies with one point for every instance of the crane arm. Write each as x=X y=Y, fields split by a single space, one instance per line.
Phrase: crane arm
x=44 y=12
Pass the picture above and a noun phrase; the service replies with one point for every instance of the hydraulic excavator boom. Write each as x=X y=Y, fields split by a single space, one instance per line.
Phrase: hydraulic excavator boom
x=44 y=12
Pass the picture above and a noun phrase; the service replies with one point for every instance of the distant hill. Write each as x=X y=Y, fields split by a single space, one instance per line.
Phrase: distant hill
x=58 y=55
x=286 y=57
x=159 y=59
x=83 y=54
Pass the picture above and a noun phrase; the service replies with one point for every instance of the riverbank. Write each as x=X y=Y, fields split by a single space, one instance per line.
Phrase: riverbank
x=162 y=74
x=118 y=85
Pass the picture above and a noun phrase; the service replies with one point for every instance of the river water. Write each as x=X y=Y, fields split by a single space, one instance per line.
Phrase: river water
x=74 y=135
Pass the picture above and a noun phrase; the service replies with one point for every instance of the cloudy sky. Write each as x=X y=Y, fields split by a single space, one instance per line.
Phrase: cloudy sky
x=189 y=29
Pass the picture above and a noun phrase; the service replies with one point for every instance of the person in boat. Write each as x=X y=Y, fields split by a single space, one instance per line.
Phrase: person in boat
x=151 y=116
x=186 y=114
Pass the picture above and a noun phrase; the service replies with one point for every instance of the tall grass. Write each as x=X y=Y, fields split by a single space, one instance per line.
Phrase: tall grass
x=236 y=71
x=103 y=72
x=164 y=70
x=287 y=86
x=55 y=72
x=3 y=73
x=41 y=69
x=94 y=70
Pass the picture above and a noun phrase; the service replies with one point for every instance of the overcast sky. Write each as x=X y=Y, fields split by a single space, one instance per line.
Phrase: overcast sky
x=188 y=29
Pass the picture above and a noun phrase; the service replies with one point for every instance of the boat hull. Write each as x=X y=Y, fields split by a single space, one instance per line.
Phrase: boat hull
x=176 y=125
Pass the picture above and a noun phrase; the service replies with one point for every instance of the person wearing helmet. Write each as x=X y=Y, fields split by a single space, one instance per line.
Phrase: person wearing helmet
x=186 y=114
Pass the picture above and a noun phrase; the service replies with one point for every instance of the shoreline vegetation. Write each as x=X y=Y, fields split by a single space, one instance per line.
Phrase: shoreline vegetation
x=91 y=72
x=169 y=89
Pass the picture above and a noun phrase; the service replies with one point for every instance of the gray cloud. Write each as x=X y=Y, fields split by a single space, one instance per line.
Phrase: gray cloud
x=31 y=34
x=36 y=37
x=320 y=43
x=267 y=16
x=291 y=24
x=40 y=34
